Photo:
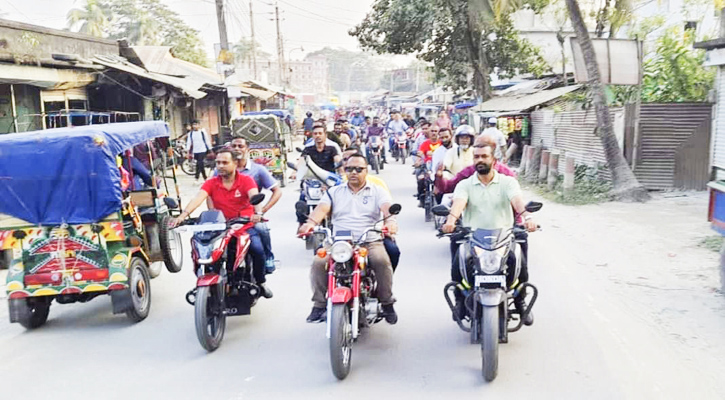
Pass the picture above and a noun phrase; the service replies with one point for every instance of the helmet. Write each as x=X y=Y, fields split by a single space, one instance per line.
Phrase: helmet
x=492 y=121
x=464 y=130
x=309 y=114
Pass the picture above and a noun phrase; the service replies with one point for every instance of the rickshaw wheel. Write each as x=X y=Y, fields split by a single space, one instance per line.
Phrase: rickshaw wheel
x=171 y=248
x=36 y=312
x=140 y=287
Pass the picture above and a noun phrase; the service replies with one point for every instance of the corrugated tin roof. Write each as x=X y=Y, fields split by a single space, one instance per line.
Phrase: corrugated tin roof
x=121 y=64
x=48 y=78
x=524 y=102
x=258 y=93
x=158 y=59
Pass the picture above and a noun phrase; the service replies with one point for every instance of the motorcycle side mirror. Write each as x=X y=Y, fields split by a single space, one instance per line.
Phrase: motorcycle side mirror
x=395 y=209
x=291 y=165
x=440 y=210
x=256 y=199
x=533 y=206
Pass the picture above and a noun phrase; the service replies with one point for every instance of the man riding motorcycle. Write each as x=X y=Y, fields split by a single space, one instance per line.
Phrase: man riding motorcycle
x=462 y=155
x=230 y=192
x=487 y=199
x=439 y=155
x=354 y=207
x=376 y=130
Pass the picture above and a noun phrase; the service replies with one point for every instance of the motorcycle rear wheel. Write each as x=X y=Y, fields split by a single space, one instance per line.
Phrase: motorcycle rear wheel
x=188 y=166
x=209 y=317
x=340 y=341
x=489 y=342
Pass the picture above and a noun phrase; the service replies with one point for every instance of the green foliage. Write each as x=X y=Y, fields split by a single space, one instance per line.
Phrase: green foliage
x=674 y=73
x=457 y=37
x=142 y=23
x=712 y=243
x=646 y=26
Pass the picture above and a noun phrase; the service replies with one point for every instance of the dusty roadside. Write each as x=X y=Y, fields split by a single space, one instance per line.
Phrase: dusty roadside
x=646 y=262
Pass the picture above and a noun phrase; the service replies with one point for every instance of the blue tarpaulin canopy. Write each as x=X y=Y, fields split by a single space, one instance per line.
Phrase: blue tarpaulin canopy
x=467 y=104
x=67 y=175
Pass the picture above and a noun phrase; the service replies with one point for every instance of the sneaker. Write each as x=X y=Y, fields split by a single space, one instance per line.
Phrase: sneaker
x=270 y=266
x=318 y=314
x=266 y=292
x=389 y=313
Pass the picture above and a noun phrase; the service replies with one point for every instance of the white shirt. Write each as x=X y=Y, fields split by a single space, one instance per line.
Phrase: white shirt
x=438 y=156
x=499 y=138
x=195 y=141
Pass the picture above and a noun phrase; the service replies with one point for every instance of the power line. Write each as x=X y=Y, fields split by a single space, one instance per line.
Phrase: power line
x=321 y=17
x=332 y=7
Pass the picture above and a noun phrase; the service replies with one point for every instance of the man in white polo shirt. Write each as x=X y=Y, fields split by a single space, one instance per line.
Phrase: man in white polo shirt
x=355 y=207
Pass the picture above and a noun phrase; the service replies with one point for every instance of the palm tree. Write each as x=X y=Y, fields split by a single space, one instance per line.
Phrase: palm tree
x=624 y=183
x=93 y=18
x=144 y=31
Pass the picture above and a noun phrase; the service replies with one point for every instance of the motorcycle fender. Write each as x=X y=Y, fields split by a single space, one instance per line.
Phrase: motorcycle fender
x=208 y=280
x=341 y=295
x=491 y=297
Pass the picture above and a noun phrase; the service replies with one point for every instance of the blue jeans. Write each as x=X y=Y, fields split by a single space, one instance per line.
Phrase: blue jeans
x=393 y=251
x=263 y=231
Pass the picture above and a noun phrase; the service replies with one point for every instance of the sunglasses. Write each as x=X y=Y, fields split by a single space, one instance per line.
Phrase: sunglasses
x=358 y=170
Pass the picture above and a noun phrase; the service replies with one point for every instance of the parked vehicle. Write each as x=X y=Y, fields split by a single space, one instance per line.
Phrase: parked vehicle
x=221 y=290
x=351 y=302
x=269 y=139
x=489 y=301
x=76 y=233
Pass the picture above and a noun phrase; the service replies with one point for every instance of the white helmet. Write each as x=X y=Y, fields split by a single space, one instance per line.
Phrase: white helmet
x=465 y=130
x=492 y=120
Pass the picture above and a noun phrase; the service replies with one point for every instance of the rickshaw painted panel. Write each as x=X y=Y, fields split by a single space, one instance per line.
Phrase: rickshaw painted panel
x=71 y=172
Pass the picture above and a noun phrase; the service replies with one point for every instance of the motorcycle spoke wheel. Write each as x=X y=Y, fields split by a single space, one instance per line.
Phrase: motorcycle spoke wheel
x=340 y=341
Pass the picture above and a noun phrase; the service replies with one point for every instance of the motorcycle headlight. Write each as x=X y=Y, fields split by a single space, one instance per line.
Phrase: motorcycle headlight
x=341 y=251
x=490 y=260
x=314 y=193
x=205 y=250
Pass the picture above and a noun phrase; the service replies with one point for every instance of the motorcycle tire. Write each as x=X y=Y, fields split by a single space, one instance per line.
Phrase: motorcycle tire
x=140 y=286
x=340 y=341
x=489 y=342
x=209 y=317
x=428 y=206
x=402 y=159
x=376 y=165
x=188 y=166
x=35 y=312
x=171 y=247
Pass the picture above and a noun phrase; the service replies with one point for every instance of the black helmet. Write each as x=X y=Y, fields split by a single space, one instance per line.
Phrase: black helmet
x=309 y=114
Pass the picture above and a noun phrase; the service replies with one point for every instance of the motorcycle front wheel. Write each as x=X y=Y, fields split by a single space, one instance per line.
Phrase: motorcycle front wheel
x=489 y=342
x=376 y=164
x=340 y=341
x=209 y=317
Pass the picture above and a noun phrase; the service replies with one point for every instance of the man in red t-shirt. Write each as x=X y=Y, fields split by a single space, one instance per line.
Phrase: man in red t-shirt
x=429 y=146
x=230 y=192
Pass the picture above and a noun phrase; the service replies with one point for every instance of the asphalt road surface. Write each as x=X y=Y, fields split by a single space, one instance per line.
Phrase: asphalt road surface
x=586 y=343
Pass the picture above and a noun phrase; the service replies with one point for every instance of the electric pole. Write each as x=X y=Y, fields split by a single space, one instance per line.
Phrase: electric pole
x=254 y=42
x=222 y=25
x=280 y=46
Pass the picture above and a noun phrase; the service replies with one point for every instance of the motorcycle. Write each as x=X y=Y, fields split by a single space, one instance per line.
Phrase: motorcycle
x=400 y=149
x=221 y=290
x=351 y=286
x=424 y=173
x=490 y=300
x=375 y=146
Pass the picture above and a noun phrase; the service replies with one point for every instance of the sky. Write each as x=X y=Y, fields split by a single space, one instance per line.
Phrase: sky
x=307 y=24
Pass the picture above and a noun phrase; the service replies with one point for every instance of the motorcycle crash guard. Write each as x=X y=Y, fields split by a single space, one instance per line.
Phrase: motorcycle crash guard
x=491 y=297
x=341 y=295
x=208 y=280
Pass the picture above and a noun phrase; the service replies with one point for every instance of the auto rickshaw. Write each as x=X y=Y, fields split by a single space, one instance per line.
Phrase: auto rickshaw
x=269 y=139
x=77 y=225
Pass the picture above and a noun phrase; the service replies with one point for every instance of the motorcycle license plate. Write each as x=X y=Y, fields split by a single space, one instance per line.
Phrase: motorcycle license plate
x=481 y=279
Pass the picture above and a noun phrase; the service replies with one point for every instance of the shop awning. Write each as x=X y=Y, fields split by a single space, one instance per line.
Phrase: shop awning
x=524 y=102
x=47 y=78
x=258 y=93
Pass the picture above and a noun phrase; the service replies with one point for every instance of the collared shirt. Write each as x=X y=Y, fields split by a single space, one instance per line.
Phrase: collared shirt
x=359 y=211
x=232 y=202
x=457 y=159
x=488 y=206
x=396 y=127
x=449 y=185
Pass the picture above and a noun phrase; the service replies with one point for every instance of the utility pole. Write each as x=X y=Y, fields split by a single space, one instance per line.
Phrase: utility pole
x=254 y=42
x=280 y=46
x=222 y=25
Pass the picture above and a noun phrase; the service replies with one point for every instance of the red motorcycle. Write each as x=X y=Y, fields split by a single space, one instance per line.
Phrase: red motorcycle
x=351 y=293
x=221 y=290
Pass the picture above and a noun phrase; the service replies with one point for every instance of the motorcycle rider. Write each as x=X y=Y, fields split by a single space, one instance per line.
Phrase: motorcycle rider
x=307 y=124
x=487 y=199
x=264 y=180
x=462 y=155
x=230 y=192
x=396 y=126
x=424 y=134
x=354 y=207
x=498 y=136
x=425 y=155
x=376 y=130
x=439 y=155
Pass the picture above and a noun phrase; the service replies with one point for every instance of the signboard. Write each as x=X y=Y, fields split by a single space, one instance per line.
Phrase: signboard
x=619 y=61
x=714 y=58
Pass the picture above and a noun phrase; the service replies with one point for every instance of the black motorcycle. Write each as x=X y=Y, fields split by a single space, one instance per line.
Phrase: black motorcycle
x=490 y=263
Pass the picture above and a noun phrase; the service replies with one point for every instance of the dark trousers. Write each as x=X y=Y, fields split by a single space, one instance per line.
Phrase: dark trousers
x=199 y=157
x=393 y=251
x=256 y=251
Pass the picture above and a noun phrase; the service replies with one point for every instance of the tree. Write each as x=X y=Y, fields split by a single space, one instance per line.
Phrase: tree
x=93 y=18
x=244 y=49
x=624 y=184
x=456 y=36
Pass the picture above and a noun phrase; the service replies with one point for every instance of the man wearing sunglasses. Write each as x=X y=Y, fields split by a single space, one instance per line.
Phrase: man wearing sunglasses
x=355 y=207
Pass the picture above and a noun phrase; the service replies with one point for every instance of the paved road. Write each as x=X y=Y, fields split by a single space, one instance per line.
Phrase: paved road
x=586 y=342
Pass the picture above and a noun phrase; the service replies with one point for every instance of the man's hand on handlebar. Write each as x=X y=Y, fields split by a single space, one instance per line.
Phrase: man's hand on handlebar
x=531 y=225
x=305 y=229
x=390 y=228
x=174 y=222
x=448 y=227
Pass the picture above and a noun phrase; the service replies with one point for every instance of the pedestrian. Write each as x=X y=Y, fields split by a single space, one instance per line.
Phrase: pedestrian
x=197 y=144
x=498 y=137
